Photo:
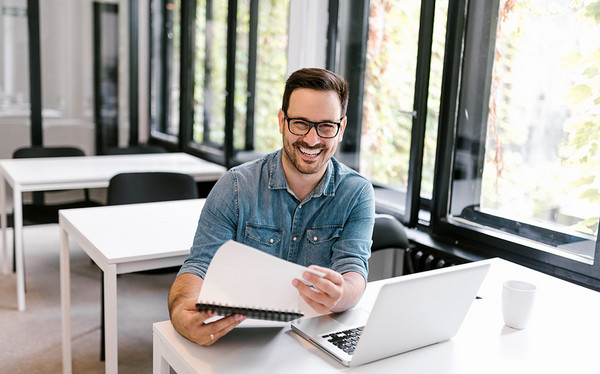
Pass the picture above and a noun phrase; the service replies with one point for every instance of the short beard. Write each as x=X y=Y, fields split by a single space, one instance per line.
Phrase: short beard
x=294 y=161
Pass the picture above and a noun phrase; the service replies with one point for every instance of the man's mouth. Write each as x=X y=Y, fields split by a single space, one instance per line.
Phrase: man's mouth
x=310 y=152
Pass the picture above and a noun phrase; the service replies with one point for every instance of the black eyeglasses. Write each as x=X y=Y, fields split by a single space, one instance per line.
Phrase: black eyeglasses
x=301 y=127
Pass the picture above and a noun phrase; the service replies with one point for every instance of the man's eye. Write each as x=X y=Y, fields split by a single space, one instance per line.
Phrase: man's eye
x=300 y=124
x=326 y=126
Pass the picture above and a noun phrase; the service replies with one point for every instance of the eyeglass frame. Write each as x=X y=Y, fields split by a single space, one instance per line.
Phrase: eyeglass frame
x=313 y=124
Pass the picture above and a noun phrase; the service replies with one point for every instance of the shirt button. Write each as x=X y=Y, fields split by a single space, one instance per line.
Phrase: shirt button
x=315 y=238
x=271 y=241
x=294 y=238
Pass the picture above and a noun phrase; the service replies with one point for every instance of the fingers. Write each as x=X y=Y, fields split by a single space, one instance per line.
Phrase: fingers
x=330 y=283
x=216 y=330
x=327 y=290
x=307 y=294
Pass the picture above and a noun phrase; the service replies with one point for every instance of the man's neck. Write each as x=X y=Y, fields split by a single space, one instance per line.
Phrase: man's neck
x=299 y=183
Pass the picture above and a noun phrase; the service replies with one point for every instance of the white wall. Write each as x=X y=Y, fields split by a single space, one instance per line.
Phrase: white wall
x=307 y=41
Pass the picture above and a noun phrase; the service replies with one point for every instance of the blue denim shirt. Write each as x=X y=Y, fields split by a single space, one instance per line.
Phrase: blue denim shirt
x=252 y=204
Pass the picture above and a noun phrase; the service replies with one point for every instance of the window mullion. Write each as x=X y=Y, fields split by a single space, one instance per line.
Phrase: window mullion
x=448 y=104
x=413 y=195
x=251 y=89
x=230 y=82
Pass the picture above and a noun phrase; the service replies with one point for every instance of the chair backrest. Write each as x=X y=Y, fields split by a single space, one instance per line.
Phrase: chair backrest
x=135 y=149
x=133 y=188
x=35 y=152
x=388 y=232
x=30 y=152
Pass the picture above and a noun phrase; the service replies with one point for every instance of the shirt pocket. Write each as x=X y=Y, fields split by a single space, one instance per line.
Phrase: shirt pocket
x=265 y=238
x=320 y=241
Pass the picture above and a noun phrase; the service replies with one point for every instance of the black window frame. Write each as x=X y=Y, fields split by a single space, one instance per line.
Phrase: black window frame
x=484 y=241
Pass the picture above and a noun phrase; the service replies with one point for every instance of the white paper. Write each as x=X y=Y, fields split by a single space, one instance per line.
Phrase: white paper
x=242 y=276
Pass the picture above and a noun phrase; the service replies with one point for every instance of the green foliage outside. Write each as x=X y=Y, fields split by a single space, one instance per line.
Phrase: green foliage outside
x=389 y=92
x=542 y=156
x=216 y=61
x=581 y=153
x=270 y=75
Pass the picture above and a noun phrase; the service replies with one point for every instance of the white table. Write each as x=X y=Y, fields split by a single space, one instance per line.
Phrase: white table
x=562 y=337
x=122 y=239
x=64 y=173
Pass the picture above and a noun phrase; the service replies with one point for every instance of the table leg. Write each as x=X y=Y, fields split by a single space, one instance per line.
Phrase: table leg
x=65 y=299
x=18 y=238
x=159 y=364
x=110 y=319
x=3 y=224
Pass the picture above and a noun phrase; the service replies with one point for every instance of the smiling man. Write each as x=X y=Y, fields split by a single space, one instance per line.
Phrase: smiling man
x=298 y=203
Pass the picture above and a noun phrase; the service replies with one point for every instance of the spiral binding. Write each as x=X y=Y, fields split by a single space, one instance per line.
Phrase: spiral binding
x=255 y=313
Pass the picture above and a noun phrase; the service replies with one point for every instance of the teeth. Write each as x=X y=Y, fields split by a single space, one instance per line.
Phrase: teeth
x=310 y=152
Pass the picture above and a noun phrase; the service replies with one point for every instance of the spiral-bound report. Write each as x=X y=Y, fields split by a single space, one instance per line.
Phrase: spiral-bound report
x=244 y=280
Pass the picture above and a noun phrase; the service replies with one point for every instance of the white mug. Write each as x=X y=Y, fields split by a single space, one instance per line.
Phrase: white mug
x=517 y=303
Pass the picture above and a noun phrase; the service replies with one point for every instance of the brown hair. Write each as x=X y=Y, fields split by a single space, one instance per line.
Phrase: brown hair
x=319 y=80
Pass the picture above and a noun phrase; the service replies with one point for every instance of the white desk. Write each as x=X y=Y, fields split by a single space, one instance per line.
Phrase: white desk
x=122 y=239
x=64 y=173
x=562 y=337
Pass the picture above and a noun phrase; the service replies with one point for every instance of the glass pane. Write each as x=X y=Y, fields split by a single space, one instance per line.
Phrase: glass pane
x=433 y=101
x=165 y=69
x=389 y=91
x=540 y=128
x=14 y=78
x=271 y=68
x=67 y=60
x=210 y=72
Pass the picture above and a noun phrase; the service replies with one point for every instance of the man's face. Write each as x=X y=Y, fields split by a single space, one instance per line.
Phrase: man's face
x=310 y=153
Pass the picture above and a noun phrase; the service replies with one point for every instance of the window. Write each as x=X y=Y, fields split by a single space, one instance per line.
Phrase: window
x=400 y=101
x=475 y=120
x=251 y=62
x=526 y=153
x=210 y=68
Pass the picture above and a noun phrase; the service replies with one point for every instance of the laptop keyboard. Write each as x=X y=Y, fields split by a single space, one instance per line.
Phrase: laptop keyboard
x=345 y=340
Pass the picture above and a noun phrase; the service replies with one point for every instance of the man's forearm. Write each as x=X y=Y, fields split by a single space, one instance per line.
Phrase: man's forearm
x=354 y=286
x=185 y=286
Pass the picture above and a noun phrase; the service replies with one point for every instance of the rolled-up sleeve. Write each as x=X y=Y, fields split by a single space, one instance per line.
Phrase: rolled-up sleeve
x=353 y=249
x=216 y=225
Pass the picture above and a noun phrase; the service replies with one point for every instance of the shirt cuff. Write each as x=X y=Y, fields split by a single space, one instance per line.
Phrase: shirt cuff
x=351 y=264
x=195 y=268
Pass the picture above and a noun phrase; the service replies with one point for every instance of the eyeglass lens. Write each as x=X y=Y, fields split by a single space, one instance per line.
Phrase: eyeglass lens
x=324 y=129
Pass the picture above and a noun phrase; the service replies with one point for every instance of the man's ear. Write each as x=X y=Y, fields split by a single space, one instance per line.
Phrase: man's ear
x=281 y=118
x=342 y=128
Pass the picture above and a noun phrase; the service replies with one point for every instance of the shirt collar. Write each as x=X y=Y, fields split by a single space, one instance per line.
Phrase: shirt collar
x=277 y=178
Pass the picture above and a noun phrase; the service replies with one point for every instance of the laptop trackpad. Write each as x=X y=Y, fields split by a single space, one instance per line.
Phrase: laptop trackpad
x=352 y=318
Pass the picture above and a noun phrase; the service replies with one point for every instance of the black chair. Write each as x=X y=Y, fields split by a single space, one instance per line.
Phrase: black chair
x=39 y=212
x=389 y=235
x=135 y=149
x=133 y=188
x=146 y=187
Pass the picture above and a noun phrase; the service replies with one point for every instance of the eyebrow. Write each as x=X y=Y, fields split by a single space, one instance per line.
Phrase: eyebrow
x=306 y=119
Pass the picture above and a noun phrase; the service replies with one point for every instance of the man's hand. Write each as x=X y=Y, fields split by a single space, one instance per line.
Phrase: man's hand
x=188 y=321
x=332 y=293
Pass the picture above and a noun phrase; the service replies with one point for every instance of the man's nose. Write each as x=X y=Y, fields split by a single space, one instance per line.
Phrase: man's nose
x=312 y=138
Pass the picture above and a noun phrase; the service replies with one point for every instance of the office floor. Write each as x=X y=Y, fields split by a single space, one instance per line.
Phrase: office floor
x=30 y=341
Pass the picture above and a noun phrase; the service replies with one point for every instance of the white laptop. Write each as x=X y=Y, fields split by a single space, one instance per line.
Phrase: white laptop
x=410 y=312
